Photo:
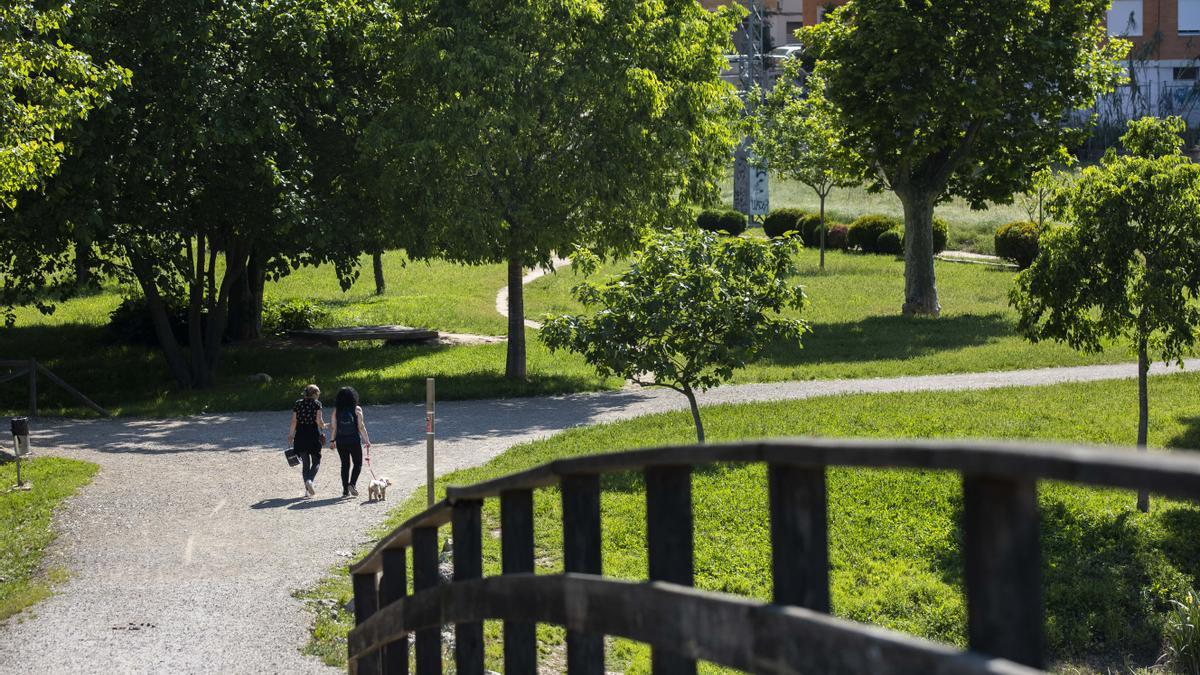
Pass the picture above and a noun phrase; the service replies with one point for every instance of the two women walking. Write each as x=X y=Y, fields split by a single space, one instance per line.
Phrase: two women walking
x=348 y=436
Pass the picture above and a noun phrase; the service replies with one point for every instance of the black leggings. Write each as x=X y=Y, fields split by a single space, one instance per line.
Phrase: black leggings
x=312 y=462
x=348 y=451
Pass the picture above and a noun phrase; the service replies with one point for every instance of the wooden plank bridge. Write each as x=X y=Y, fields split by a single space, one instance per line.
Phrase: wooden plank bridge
x=392 y=335
x=794 y=633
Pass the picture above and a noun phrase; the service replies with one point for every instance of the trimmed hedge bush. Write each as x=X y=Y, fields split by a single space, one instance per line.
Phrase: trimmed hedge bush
x=782 y=221
x=864 y=232
x=1018 y=242
x=836 y=236
x=891 y=242
x=130 y=323
x=730 y=221
x=295 y=314
x=941 y=235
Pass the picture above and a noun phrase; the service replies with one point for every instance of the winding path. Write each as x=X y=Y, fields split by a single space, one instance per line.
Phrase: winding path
x=186 y=549
x=537 y=273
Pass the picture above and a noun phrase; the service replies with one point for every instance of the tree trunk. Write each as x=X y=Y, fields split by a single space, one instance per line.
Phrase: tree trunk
x=380 y=282
x=691 y=397
x=514 y=368
x=920 y=286
x=822 y=195
x=173 y=353
x=195 y=328
x=218 y=307
x=1143 y=502
x=246 y=302
x=84 y=260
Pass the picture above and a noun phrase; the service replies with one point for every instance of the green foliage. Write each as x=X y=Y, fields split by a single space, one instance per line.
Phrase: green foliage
x=709 y=220
x=26 y=521
x=1018 y=241
x=130 y=323
x=864 y=232
x=732 y=223
x=890 y=243
x=294 y=314
x=941 y=234
x=837 y=238
x=1181 y=636
x=781 y=221
x=691 y=308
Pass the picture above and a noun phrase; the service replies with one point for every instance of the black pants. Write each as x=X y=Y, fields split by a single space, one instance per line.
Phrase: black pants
x=350 y=451
x=312 y=462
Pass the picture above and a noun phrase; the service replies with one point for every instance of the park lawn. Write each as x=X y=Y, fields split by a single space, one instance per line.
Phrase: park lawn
x=128 y=379
x=858 y=331
x=25 y=527
x=970 y=229
x=1110 y=571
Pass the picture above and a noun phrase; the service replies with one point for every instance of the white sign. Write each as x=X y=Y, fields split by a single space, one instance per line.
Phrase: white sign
x=750 y=187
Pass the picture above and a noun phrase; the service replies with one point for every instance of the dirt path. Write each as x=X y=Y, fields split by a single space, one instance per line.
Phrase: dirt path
x=186 y=549
x=502 y=294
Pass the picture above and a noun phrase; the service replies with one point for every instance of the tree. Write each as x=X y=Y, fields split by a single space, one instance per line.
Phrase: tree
x=1125 y=265
x=230 y=158
x=692 y=307
x=941 y=99
x=520 y=129
x=797 y=136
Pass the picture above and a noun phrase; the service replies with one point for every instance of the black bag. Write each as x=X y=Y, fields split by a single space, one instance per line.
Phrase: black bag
x=293 y=459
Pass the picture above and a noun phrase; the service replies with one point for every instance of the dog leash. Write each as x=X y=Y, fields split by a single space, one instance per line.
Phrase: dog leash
x=369 y=465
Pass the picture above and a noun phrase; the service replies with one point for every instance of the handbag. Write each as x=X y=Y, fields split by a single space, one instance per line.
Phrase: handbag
x=292 y=458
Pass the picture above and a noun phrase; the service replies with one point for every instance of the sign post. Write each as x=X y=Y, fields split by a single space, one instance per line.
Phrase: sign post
x=429 y=440
x=20 y=432
x=750 y=184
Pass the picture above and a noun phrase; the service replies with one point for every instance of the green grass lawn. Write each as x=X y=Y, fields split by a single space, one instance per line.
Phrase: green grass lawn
x=857 y=329
x=970 y=230
x=894 y=535
x=25 y=526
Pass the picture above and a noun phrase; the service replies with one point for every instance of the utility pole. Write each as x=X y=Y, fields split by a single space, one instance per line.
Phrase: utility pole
x=750 y=185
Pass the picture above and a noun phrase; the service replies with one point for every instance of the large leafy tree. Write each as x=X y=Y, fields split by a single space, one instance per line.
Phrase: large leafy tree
x=1125 y=266
x=944 y=99
x=797 y=136
x=230 y=158
x=691 y=308
x=519 y=129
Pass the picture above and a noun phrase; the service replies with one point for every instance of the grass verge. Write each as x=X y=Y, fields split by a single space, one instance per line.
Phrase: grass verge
x=25 y=527
x=894 y=535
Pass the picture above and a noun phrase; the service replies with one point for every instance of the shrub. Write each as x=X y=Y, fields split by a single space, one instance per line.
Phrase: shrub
x=782 y=221
x=1181 y=636
x=732 y=222
x=709 y=219
x=835 y=237
x=1018 y=242
x=129 y=323
x=296 y=314
x=810 y=230
x=864 y=232
x=941 y=235
x=891 y=242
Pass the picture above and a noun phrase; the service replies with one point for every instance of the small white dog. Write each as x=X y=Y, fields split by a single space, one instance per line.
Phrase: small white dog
x=377 y=490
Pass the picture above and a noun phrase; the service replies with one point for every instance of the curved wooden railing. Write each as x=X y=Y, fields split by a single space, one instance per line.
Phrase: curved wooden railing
x=794 y=634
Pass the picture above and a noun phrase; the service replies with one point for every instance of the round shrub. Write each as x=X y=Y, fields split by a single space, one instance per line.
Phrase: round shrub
x=890 y=242
x=709 y=219
x=732 y=222
x=1018 y=242
x=835 y=236
x=781 y=221
x=941 y=235
x=295 y=314
x=864 y=232
x=129 y=323
x=810 y=230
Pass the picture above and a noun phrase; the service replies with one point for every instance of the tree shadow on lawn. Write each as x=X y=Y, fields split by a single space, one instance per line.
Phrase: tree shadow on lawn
x=1107 y=577
x=889 y=337
x=1190 y=438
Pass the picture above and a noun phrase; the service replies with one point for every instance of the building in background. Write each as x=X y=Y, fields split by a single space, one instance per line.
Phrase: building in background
x=1162 y=66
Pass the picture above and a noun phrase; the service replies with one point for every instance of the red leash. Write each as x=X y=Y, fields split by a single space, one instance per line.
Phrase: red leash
x=369 y=464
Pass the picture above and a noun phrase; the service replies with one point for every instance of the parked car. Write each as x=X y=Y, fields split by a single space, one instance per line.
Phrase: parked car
x=777 y=56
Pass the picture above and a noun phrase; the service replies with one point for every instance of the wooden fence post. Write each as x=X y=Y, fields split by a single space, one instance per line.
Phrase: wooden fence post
x=468 y=564
x=669 y=544
x=1002 y=568
x=581 y=553
x=393 y=587
x=799 y=536
x=425 y=575
x=366 y=603
x=516 y=557
x=33 y=373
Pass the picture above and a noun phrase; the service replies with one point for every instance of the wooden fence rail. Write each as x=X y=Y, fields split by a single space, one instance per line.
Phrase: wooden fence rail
x=31 y=368
x=793 y=634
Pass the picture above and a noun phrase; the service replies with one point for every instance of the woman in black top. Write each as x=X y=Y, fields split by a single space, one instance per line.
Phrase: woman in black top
x=349 y=437
x=305 y=434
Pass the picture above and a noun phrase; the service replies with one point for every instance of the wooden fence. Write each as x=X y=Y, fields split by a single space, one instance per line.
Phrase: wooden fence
x=30 y=369
x=794 y=634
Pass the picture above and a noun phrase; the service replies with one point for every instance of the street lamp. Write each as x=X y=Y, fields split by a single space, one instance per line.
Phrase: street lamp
x=20 y=432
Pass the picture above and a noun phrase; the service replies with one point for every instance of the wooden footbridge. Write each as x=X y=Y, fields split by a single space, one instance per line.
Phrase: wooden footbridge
x=794 y=633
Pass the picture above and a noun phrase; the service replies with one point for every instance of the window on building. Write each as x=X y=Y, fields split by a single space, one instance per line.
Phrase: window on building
x=1125 y=17
x=1186 y=74
x=1189 y=17
x=792 y=27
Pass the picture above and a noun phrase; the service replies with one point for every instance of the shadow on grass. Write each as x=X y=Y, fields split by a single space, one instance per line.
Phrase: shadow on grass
x=889 y=337
x=1190 y=438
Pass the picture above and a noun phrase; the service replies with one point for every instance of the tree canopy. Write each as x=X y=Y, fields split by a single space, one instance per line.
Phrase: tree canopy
x=1125 y=266
x=692 y=307
x=517 y=130
x=942 y=99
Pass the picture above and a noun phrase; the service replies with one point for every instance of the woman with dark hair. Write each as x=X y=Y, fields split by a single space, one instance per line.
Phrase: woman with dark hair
x=349 y=437
x=305 y=434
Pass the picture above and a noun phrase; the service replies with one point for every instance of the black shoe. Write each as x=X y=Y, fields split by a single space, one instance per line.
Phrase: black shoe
x=345 y=492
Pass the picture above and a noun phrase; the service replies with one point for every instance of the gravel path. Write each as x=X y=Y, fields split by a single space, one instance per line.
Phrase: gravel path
x=538 y=273
x=185 y=550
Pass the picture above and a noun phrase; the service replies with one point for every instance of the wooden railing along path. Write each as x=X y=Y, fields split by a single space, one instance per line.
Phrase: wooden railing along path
x=794 y=634
x=30 y=368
